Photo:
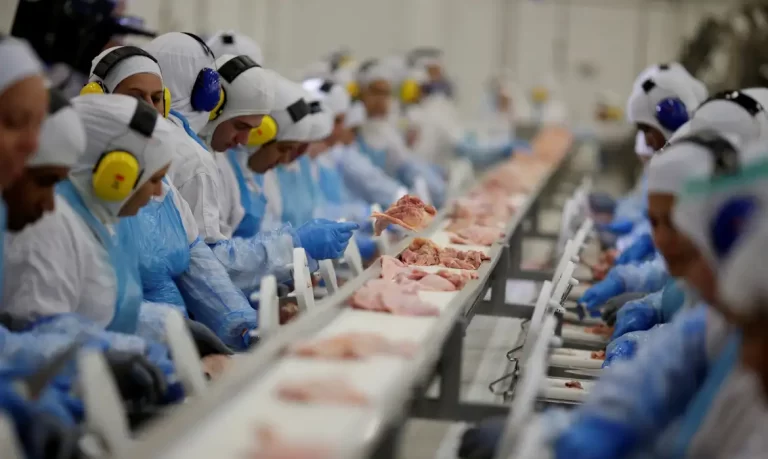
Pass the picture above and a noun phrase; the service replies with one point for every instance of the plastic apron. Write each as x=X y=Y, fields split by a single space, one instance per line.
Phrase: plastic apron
x=128 y=296
x=157 y=234
x=330 y=182
x=298 y=203
x=188 y=129
x=672 y=300
x=377 y=157
x=251 y=199
x=699 y=406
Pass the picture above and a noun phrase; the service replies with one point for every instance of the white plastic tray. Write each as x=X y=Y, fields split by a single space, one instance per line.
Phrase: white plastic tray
x=575 y=358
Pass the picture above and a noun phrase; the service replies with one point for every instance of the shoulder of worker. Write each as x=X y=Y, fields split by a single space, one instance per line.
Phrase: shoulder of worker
x=189 y=160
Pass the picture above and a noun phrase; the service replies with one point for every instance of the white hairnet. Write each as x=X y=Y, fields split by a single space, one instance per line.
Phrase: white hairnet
x=670 y=170
x=333 y=96
x=641 y=106
x=62 y=137
x=181 y=59
x=699 y=89
x=231 y=42
x=306 y=129
x=250 y=93
x=106 y=119
x=376 y=70
x=725 y=116
x=19 y=61
x=124 y=69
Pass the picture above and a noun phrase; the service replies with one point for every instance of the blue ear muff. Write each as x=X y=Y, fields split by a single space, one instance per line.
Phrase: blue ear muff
x=729 y=224
x=671 y=113
x=206 y=91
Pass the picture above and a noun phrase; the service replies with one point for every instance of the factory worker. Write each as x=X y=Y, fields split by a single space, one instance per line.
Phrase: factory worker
x=544 y=107
x=70 y=261
x=684 y=394
x=176 y=266
x=380 y=140
x=185 y=60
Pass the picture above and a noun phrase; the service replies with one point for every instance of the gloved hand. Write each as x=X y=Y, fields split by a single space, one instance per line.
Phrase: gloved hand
x=601 y=292
x=640 y=250
x=325 y=239
x=619 y=227
x=623 y=348
x=602 y=203
x=519 y=146
x=47 y=436
x=634 y=316
x=594 y=438
x=138 y=380
x=480 y=441
x=367 y=247
x=206 y=341
x=613 y=306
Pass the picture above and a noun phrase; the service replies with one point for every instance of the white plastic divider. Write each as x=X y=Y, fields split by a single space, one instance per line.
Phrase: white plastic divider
x=328 y=274
x=8 y=441
x=569 y=212
x=545 y=295
x=421 y=189
x=353 y=258
x=269 y=307
x=527 y=390
x=302 y=281
x=584 y=231
x=104 y=414
x=569 y=255
x=186 y=359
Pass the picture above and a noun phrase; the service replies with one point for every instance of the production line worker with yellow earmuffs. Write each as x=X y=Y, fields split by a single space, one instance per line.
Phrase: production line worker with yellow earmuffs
x=248 y=94
x=176 y=266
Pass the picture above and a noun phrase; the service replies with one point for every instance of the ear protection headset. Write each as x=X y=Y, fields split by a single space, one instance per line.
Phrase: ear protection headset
x=117 y=172
x=745 y=101
x=267 y=132
x=109 y=62
x=229 y=71
x=670 y=112
x=206 y=92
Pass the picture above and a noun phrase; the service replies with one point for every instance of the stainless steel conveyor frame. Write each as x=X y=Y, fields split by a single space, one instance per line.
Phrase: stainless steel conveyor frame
x=440 y=354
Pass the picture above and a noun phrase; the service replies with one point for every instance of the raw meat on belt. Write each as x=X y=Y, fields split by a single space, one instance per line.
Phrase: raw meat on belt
x=409 y=212
x=574 y=385
x=353 y=346
x=382 y=295
x=443 y=281
x=423 y=252
x=333 y=391
x=598 y=355
x=271 y=446
x=477 y=235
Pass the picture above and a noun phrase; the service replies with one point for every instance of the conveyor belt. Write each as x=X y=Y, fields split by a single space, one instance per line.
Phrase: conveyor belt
x=223 y=422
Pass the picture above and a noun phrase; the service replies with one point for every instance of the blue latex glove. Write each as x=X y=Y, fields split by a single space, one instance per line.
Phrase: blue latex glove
x=480 y=442
x=519 y=145
x=619 y=227
x=634 y=316
x=600 y=202
x=601 y=292
x=639 y=251
x=623 y=348
x=594 y=438
x=367 y=246
x=325 y=239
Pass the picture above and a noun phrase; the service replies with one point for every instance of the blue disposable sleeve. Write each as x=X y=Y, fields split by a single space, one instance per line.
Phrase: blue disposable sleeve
x=366 y=181
x=638 y=315
x=213 y=300
x=644 y=277
x=248 y=260
x=410 y=170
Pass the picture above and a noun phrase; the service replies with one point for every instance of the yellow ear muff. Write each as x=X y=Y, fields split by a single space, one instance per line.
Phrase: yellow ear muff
x=353 y=89
x=115 y=176
x=166 y=102
x=266 y=132
x=94 y=87
x=614 y=113
x=539 y=94
x=216 y=112
x=410 y=91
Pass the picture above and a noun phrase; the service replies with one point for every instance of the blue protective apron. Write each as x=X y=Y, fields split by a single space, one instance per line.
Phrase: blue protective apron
x=188 y=129
x=672 y=300
x=329 y=180
x=377 y=157
x=254 y=203
x=157 y=234
x=698 y=407
x=128 y=298
x=295 y=194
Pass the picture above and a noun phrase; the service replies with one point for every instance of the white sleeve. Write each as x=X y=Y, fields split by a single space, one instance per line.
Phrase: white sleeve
x=273 y=214
x=187 y=218
x=201 y=192
x=42 y=270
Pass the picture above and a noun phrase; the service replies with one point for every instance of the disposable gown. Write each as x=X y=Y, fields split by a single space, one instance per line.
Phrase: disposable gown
x=337 y=201
x=366 y=180
x=657 y=308
x=648 y=276
x=186 y=275
x=634 y=206
x=247 y=260
x=291 y=196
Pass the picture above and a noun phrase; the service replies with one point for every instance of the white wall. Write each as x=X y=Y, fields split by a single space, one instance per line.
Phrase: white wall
x=532 y=39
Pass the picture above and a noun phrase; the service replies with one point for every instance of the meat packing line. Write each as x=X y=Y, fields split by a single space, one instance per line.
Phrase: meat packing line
x=339 y=380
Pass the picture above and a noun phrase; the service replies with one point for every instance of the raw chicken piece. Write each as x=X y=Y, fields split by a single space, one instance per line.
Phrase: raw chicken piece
x=273 y=447
x=435 y=283
x=399 y=299
x=353 y=346
x=214 y=366
x=477 y=235
x=458 y=279
x=409 y=212
x=602 y=330
x=598 y=355
x=443 y=281
x=574 y=385
x=330 y=391
x=288 y=312
x=423 y=252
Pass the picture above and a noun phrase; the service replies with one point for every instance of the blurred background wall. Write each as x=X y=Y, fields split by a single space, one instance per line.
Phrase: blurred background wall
x=585 y=45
